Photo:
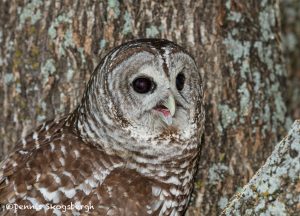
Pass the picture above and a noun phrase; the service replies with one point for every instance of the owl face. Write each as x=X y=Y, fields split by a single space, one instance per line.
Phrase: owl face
x=154 y=87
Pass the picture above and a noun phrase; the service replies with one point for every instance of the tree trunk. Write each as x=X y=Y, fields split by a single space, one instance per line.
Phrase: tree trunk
x=275 y=188
x=49 y=49
x=290 y=10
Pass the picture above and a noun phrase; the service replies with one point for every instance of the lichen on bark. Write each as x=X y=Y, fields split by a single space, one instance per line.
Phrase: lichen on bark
x=275 y=188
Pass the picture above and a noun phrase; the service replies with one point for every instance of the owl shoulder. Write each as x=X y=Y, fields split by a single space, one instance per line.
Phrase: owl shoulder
x=52 y=157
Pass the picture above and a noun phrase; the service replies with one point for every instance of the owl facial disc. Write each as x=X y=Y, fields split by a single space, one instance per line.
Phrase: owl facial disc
x=167 y=110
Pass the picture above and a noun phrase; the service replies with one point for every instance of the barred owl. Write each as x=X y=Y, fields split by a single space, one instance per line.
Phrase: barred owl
x=130 y=147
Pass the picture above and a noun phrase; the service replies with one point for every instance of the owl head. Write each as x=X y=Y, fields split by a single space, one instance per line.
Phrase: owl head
x=150 y=87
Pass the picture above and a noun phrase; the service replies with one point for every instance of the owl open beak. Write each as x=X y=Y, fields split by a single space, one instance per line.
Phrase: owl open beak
x=167 y=110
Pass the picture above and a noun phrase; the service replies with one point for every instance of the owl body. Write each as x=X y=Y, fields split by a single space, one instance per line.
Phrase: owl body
x=131 y=147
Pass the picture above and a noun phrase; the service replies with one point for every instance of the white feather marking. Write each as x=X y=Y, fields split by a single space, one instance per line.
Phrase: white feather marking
x=185 y=181
x=56 y=178
x=57 y=212
x=91 y=182
x=15 y=189
x=52 y=146
x=23 y=152
x=35 y=136
x=162 y=173
x=77 y=154
x=85 y=188
x=70 y=193
x=62 y=136
x=38 y=177
x=173 y=180
x=156 y=190
x=24 y=143
x=109 y=190
x=168 y=203
x=50 y=196
x=165 y=193
x=63 y=149
x=167 y=55
x=62 y=161
x=174 y=191
x=79 y=125
x=185 y=164
x=174 y=213
x=156 y=205
x=75 y=213
x=35 y=204
x=163 y=209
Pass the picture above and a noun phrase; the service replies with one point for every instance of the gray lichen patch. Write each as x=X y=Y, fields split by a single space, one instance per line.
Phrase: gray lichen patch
x=236 y=48
x=8 y=78
x=127 y=28
x=216 y=173
x=152 y=31
x=223 y=201
x=65 y=38
x=115 y=6
x=244 y=99
x=47 y=69
x=31 y=12
x=273 y=190
x=228 y=116
x=267 y=19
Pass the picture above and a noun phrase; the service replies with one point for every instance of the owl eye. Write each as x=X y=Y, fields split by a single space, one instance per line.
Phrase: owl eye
x=180 y=81
x=143 y=85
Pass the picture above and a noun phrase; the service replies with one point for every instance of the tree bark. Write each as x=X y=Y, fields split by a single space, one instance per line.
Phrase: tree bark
x=275 y=188
x=290 y=10
x=49 y=49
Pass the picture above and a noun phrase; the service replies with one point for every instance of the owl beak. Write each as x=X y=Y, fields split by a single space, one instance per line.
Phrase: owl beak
x=167 y=111
x=170 y=104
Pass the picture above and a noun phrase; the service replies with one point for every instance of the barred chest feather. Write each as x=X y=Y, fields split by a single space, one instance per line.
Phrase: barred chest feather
x=56 y=168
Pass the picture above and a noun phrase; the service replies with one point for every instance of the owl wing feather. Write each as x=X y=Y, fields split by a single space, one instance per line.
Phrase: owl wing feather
x=50 y=166
x=64 y=169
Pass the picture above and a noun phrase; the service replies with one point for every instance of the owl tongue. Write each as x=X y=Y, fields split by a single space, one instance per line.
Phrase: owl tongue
x=167 y=110
x=165 y=115
x=164 y=111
